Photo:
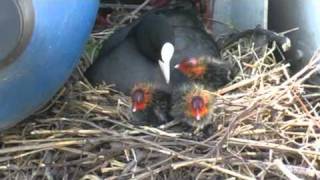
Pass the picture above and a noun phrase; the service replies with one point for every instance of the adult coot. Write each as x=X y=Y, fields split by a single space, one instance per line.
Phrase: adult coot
x=132 y=53
x=129 y=56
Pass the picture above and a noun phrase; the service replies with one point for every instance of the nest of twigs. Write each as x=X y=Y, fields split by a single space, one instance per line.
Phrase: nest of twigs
x=268 y=128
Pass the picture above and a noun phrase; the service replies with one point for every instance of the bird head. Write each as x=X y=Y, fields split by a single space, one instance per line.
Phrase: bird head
x=198 y=104
x=141 y=97
x=193 y=68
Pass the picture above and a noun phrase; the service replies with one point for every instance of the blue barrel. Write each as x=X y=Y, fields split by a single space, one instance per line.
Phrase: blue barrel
x=42 y=41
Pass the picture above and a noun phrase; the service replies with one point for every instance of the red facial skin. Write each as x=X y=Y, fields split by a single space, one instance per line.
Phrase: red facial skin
x=197 y=106
x=141 y=97
x=191 y=67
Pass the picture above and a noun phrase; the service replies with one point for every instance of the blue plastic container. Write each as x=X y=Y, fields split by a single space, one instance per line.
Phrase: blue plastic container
x=59 y=33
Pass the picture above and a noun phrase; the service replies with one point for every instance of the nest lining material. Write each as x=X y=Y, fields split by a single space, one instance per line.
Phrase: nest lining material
x=267 y=127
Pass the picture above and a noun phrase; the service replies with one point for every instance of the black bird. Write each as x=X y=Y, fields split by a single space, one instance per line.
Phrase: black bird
x=131 y=54
x=150 y=104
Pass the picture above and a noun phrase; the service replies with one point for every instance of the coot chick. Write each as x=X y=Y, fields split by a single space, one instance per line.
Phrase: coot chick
x=209 y=71
x=150 y=104
x=215 y=73
x=193 y=105
x=132 y=53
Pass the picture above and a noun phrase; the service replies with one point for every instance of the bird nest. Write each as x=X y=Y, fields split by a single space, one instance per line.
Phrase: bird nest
x=267 y=127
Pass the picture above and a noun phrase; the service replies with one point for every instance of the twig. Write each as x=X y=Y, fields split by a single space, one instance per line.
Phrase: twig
x=124 y=6
x=285 y=170
x=134 y=12
x=226 y=171
x=248 y=81
x=279 y=147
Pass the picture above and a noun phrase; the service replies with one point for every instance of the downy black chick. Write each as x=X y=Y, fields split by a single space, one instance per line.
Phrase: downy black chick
x=208 y=71
x=193 y=105
x=150 y=104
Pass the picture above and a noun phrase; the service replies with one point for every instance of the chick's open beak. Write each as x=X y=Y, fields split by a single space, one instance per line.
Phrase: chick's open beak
x=167 y=51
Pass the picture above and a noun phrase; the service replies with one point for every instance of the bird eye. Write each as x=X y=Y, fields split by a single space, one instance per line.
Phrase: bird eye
x=138 y=96
x=197 y=103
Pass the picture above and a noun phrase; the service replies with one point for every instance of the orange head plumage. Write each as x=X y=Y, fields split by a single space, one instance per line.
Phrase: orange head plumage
x=192 y=67
x=198 y=104
x=141 y=97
